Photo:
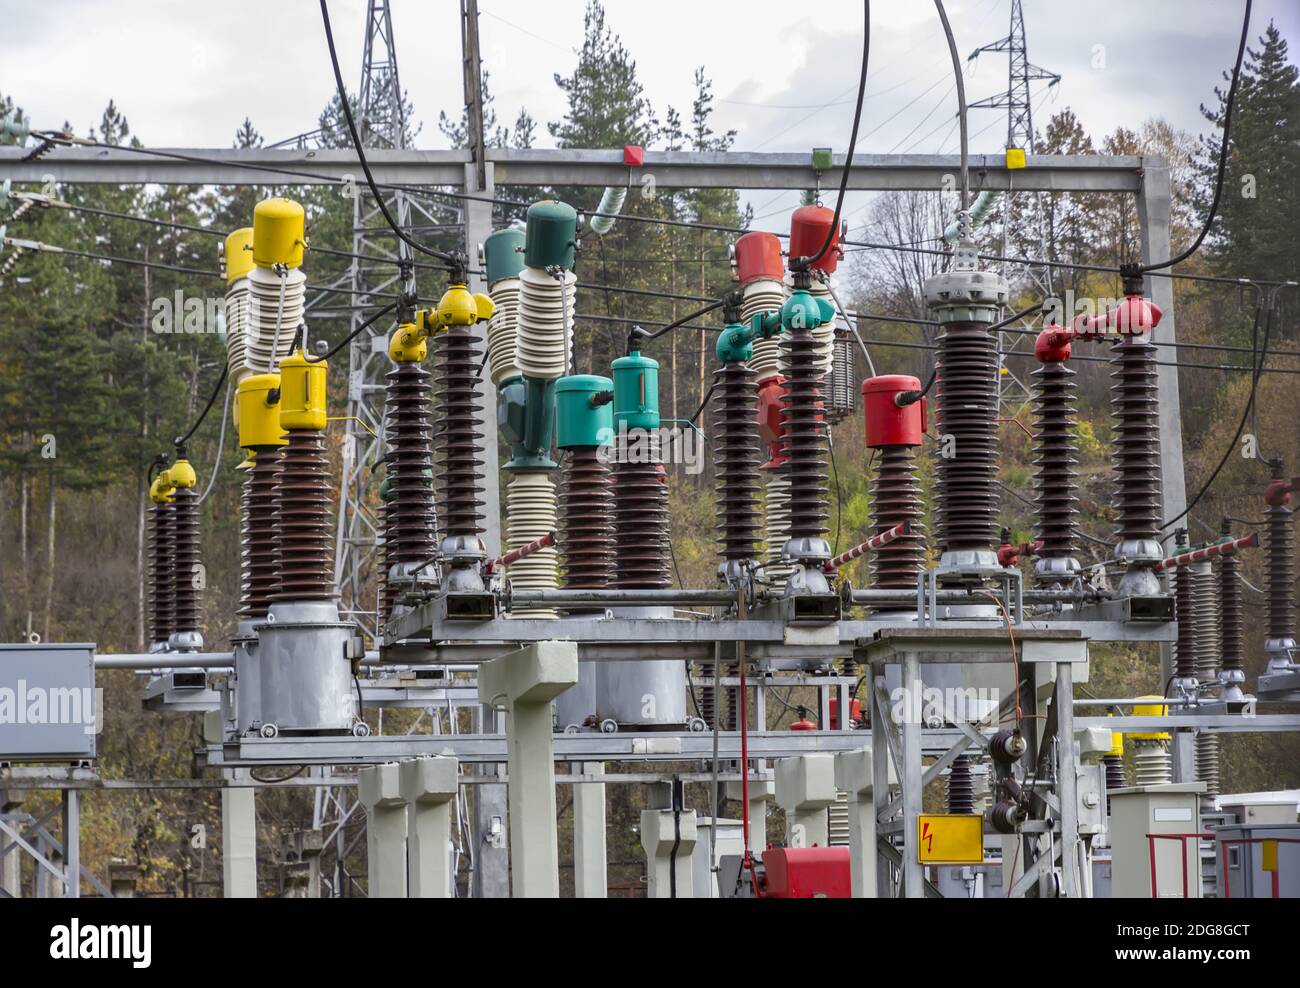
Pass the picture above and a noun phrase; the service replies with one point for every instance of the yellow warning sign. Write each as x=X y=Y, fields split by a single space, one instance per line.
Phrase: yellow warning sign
x=1268 y=855
x=1016 y=158
x=950 y=838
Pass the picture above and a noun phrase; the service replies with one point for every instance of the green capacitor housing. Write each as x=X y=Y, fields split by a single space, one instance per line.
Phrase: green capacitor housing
x=526 y=417
x=503 y=254
x=579 y=420
x=551 y=238
x=803 y=310
x=636 y=392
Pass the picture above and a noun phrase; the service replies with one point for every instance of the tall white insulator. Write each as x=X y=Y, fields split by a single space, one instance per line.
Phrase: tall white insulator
x=763 y=296
x=530 y=515
x=271 y=315
x=1152 y=761
x=502 y=330
x=545 y=323
x=237 y=331
x=777 y=525
x=1208 y=651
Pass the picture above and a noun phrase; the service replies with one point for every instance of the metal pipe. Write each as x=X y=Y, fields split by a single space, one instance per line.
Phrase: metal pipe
x=963 y=597
x=561 y=598
x=1207 y=552
x=875 y=542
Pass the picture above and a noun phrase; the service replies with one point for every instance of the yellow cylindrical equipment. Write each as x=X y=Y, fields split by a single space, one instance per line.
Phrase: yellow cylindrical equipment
x=162 y=490
x=1155 y=709
x=239 y=254
x=303 y=397
x=181 y=474
x=259 y=415
x=279 y=233
x=408 y=345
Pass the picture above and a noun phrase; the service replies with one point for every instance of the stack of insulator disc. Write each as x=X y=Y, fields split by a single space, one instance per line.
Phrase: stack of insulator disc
x=843 y=380
x=409 y=524
x=777 y=526
x=388 y=589
x=837 y=820
x=967 y=407
x=1281 y=572
x=708 y=699
x=736 y=459
x=1185 y=613
x=1151 y=762
x=805 y=436
x=245 y=493
x=502 y=328
x=162 y=572
x=587 y=531
x=306 y=548
x=1207 y=667
x=263 y=306
x=456 y=442
x=763 y=296
x=1114 y=766
x=530 y=515
x=960 y=790
x=544 y=337
x=1231 y=634
x=640 y=520
x=1056 y=448
x=1135 y=406
x=185 y=558
x=237 y=330
x=732 y=718
x=262 y=544
x=896 y=498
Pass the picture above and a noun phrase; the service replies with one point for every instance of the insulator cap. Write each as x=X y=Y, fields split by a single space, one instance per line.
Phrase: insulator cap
x=162 y=490
x=408 y=345
x=580 y=421
x=279 y=233
x=302 y=393
x=503 y=255
x=1134 y=316
x=808 y=228
x=1157 y=709
x=636 y=392
x=1053 y=346
x=1278 y=493
x=758 y=258
x=259 y=416
x=887 y=422
x=239 y=254
x=181 y=474
x=552 y=235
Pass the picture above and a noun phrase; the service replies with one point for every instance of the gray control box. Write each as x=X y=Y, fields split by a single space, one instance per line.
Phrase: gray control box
x=49 y=708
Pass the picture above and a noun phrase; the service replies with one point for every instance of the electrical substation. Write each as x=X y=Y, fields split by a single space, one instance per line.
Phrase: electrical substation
x=514 y=575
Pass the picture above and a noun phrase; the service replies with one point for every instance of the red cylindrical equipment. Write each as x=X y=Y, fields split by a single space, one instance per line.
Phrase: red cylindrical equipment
x=808 y=228
x=1053 y=345
x=770 y=429
x=855 y=712
x=758 y=258
x=1224 y=548
x=1134 y=316
x=887 y=422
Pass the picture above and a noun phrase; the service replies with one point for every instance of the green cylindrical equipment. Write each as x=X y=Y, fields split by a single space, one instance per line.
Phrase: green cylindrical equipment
x=582 y=416
x=526 y=415
x=503 y=255
x=636 y=392
x=552 y=235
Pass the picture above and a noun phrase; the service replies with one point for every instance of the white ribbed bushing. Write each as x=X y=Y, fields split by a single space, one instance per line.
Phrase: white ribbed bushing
x=531 y=514
x=502 y=329
x=237 y=330
x=763 y=296
x=543 y=338
x=264 y=313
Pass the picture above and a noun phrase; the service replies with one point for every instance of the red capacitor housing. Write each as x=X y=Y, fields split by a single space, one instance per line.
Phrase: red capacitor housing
x=1053 y=345
x=807 y=873
x=758 y=258
x=887 y=423
x=808 y=228
x=633 y=155
x=855 y=712
x=1134 y=316
x=769 y=420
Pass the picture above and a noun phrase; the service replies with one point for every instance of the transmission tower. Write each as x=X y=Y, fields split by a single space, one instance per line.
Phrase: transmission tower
x=1013 y=392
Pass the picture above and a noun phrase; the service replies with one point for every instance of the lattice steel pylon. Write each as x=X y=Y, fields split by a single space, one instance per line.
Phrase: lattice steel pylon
x=1013 y=390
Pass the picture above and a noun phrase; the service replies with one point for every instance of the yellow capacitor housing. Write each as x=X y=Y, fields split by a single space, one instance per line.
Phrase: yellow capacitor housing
x=302 y=393
x=279 y=233
x=181 y=474
x=458 y=307
x=239 y=254
x=259 y=416
x=1156 y=709
x=408 y=344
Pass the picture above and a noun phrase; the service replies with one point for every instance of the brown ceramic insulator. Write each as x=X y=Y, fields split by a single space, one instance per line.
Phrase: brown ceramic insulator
x=262 y=568
x=640 y=524
x=896 y=498
x=587 y=520
x=960 y=789
x=388 y=591
x=306 y=547
x=457 y=440
x=731 y=717
x=966 y=410
x=1187 y=616
x=1231 y=635
x=805 y=434
x=1135 y=407
x=734 y=437
x=1056 y=452
x=708 y=698
x=1114 y=766
x=1281 y=572
x=409 y=517
x=186 y=574
x=163 y=574
x=244 y=494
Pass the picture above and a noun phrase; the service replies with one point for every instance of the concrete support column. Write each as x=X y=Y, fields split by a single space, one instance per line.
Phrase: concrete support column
x=379 y=790
x=590 y=866
x=11 y=862
x=805 y=787
x=855 y=775
x=238 y=824
x=659 y=835
x=526 y=682
x=761 y=792
x=429 y=787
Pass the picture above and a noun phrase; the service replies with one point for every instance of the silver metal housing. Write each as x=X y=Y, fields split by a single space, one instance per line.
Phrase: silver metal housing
x=306 y=676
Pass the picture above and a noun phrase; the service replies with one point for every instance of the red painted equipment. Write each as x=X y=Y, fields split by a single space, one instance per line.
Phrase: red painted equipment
x=807 y=873
x=769 y=420
x=855 y=713
x=808 y=228
x=888 y=423
x=1132 y=317
x=875 y=542
x=1053 y=345
x=758 y=258
x=1225 y=548
x=803 y=723
x=1278 y=493
x=1009 y=555
x=633 y=155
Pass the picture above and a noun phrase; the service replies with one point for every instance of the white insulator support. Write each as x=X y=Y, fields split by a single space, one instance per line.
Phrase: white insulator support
x=611 y=201
x=1205 y=607
x=1207 y=762
x=265 y=315
x=502 y=330
x=545 y=323
x=777 y=527
x=763 y=296
x=237 y=331
x=824 y=335
x=531 y=514
x=837 y=820
x=1152 y=761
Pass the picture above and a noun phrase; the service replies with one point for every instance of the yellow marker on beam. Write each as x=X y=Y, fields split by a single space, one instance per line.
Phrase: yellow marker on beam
x=1015 y=158
x=950 y=838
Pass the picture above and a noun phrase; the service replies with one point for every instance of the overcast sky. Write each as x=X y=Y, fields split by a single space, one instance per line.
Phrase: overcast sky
x=186 y=74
